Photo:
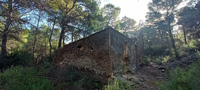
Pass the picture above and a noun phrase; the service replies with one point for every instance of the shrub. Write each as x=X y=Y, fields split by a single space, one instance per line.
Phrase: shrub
x=19 y=78
x=157 y=50
x=76 y=79
x=184 y=79
x=23 y=58
x=157 y=59
x=117 y=85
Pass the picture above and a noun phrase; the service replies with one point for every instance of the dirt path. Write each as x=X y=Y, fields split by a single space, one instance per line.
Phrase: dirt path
x=150 y=77
x=147 y=77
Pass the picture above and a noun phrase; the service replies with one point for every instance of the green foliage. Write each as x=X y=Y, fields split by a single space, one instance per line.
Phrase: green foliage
x=189 y=18
x=117 y=85
x=23 y=78
x=157 y=50
x=162 y=17
x=124 y=69
x=127 y=23
x=198 y=55
x=61 y=86
x=110 y=12
x=157 y=53
x=157 y=59
x=78 y=80
x=184 y=79
x=191 y=46
x=23 y=58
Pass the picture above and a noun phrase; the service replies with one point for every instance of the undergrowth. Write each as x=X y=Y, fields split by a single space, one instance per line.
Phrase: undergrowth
x=117 y=85
x=23 y=78
x=184 y=79
x=23 y=58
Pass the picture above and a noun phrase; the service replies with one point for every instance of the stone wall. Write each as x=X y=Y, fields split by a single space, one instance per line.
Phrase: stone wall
x=140 y=49
x=122 y=52
x=91 y=53
x=104 y=53
x=137 y=37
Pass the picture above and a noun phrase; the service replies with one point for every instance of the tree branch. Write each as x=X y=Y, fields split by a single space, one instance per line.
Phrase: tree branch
x=26 y=13
x=74 y=2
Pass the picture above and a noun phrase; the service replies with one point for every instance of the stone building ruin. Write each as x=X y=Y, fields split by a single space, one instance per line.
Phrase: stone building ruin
x=104 y=53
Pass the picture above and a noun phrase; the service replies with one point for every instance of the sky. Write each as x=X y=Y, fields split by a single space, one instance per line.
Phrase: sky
x=135 y=9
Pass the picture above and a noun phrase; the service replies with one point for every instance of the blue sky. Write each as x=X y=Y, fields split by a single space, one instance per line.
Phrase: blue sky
x=135 y=9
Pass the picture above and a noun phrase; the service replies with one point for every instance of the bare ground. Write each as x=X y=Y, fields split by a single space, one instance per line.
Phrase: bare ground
x=147 y=77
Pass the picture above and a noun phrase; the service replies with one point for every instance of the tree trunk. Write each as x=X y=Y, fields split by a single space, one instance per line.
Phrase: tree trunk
x=4 y=41
x=173 y=44
x=172 y=39
x=50 y=46
x=72 y=36
x=161 y=37
x=6 y=30
x=45 y=51
x=84 y=34
x=61 y=37
x=35 y=34
x=184 y=32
